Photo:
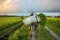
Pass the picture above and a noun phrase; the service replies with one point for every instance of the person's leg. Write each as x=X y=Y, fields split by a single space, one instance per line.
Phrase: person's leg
x=30 y=30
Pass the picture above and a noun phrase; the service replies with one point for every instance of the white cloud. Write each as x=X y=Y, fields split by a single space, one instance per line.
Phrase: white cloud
x=49 y=5
x=28 y=5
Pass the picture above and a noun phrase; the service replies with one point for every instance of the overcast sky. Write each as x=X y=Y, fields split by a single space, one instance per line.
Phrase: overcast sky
x=29 y=5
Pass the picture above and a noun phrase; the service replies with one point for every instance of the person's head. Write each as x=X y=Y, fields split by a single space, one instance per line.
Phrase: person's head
x=31 y=14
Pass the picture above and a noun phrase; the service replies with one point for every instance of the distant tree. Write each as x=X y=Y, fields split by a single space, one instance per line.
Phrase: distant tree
x=58 y=16
x=22 y=17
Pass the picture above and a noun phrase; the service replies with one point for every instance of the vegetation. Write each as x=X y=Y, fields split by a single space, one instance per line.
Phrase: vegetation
x=42 y=18
x=43 y=34
x=7 y=23
x=20 y=34
x=54 y=24
x=4 y=21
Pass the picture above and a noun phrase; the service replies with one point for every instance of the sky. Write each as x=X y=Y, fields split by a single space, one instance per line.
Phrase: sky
x=19 y=6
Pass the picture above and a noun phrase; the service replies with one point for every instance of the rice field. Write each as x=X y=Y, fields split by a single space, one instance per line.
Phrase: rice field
x=54 y=24
x=4 y=21
x=23 y=33
x=20 y=34
x=7 y=24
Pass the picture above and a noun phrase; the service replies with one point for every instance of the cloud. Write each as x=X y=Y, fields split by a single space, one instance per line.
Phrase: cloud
x=49 y=5
x=28 y=5
x=2 y=1
x=8 y=6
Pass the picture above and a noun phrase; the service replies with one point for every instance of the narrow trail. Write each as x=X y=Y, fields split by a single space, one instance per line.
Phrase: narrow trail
x=33 y=33
x=52 y=33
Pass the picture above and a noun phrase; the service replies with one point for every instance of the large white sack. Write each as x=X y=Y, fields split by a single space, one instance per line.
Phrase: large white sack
x=30 y=20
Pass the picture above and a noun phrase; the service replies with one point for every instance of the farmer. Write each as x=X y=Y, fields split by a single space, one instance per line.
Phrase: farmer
x=32 y=21
x=33 y=24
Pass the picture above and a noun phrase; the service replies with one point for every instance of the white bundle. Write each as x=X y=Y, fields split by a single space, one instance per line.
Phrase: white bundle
x=31 y=19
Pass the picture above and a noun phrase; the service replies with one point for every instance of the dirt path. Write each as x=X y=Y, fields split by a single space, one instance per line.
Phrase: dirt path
x=53 y=33
x=33 y=34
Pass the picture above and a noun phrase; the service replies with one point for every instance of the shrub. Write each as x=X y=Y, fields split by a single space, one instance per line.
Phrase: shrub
x=42 y=18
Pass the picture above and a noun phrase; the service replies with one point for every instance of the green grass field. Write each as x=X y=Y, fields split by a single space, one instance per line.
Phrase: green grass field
x=7 y=23
x=22 y=33
x=43 y=34
x=54 y=24
x=4 y=21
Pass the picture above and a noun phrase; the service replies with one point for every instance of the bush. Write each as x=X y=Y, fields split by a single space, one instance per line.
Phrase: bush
x=42 y=18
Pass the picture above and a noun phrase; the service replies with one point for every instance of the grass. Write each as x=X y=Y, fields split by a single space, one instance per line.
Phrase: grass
x=9 y=29
x=43 y=34
x=7 y=23
x=20 y=34
x=54 y=24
